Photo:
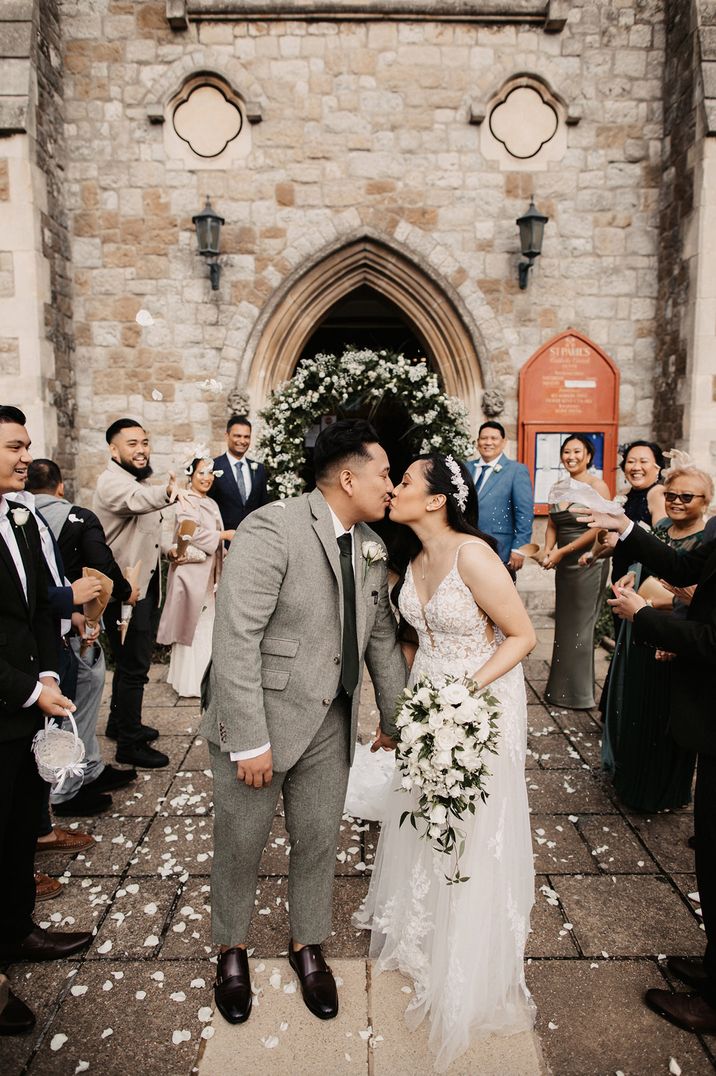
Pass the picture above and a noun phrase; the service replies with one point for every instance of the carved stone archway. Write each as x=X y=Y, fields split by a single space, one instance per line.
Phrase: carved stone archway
x=305 y=301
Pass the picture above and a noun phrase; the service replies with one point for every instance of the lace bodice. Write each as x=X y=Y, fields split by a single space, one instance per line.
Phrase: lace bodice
x=454 y=634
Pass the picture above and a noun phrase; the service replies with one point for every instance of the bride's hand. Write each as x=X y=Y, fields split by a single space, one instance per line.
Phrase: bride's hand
x=383 y=741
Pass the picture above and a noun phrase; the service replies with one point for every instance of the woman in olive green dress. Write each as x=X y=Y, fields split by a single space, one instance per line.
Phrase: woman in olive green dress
x=579 y=590
x=649 y=769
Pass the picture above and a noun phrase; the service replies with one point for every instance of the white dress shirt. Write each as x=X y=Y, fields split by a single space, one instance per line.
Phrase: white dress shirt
x=27 y=500
x=241 y=756
x=245 y=470
x=487 y=476
x=8 y=534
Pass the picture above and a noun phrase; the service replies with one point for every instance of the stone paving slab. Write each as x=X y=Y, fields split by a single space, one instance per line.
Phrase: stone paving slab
x=591 y=1021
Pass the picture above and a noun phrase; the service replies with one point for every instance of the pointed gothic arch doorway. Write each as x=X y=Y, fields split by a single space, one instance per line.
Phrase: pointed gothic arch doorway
x=340 y=293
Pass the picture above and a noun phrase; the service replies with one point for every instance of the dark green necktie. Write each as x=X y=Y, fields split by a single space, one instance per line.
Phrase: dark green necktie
x=349 y=646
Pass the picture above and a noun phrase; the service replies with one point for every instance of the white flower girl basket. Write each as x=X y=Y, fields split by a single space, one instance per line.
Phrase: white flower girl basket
x=59 y=753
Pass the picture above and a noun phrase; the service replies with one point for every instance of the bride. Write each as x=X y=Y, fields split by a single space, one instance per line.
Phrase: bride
x=463 y=945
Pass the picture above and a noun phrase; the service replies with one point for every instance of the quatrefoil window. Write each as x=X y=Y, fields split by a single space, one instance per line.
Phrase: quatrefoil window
x=524 y=122
x=207 y=120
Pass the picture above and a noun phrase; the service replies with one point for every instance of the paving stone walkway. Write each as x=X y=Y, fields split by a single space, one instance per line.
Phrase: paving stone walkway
x=615 y=891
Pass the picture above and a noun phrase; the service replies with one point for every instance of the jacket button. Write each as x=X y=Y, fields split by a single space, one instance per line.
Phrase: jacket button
x=327 y=702
x=336 y=661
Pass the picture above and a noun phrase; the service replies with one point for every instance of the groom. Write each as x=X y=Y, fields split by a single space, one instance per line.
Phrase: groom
x=300 y=608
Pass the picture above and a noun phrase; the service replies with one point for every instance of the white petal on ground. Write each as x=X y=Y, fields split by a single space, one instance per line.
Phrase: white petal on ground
x=158 y=975
x=365 y=1033
x=178 y=995
x=58 y=1041
x=204 y=1014
x=406 y=990
x=275 y=979
x=107 y=985
x=78 y=991
x=208 y=1032
x=179 y=928
x=105 y=948
x=270 y=1041
x=674 y=1067
x=107 y=1032
x=140 y=995
x=82 y=1066
x=197 y=984
x=150 y=941
x=144 y=318
x=283 y=1026
x=289 y=988
x=180 y=1036
x=552 y=1026
x=150 y=909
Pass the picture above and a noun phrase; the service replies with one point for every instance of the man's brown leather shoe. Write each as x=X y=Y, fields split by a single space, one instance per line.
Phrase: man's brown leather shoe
x=232 y=989
x=317 y=983
x=691 y=972
x=688 y=1011
x=47 y=888
x=45 y=945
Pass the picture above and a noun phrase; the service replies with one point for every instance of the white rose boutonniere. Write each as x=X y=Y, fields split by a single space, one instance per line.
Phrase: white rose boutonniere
x=497 y=468
x=372 y=553
x=20 y=516
x=254 y=465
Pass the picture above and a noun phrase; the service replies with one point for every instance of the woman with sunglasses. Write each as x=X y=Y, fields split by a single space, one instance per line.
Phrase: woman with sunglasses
x=650 y=771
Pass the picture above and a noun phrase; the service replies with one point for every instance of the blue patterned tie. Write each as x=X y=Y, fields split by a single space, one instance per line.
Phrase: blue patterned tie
x=481 y=476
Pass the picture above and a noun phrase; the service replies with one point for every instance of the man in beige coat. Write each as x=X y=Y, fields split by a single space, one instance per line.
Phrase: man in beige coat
x=129 y=509
x=302 y=605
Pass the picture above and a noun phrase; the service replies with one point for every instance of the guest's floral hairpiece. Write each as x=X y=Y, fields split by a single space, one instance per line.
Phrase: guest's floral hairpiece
x=458 y=482
x=677 y=460
x=198 y=452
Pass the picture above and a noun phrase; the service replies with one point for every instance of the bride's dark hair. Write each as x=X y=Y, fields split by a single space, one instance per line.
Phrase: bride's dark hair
x=439 y=479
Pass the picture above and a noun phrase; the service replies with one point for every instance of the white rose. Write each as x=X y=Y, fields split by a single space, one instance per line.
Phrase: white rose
x=442 y=759
x=436 y=719
x=422 y=696
x=466 y=712
x=20 y=515
x=483 y=730
x=446 y=738
x=454 y=694
x=438 y=814
x=373 y=551
x=407 y=783
x=410 y=733
x=434 y=831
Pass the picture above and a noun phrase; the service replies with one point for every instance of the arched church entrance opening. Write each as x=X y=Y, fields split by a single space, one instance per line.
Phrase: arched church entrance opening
x=365 y=319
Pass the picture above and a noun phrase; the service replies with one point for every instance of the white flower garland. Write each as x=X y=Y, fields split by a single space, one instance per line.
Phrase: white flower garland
x=326 y=384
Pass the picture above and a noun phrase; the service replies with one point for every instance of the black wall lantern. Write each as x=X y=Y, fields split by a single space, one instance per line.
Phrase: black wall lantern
x=208 y=229
x=531 y=233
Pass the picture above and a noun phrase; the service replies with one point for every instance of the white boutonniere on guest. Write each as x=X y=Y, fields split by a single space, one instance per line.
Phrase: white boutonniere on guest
x=254 y=465
x=497 y=468
x=372 y=553
x=20 y=516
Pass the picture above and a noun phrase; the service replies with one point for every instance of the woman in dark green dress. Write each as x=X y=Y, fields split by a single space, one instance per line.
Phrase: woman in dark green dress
x=650 y=771
x=578 y=590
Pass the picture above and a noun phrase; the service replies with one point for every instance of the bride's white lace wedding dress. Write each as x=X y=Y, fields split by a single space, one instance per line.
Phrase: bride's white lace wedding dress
x=463 y=945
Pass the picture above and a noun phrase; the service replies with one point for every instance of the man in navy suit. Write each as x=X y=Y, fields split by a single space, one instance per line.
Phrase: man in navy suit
x=504 y=495
x=241 y=488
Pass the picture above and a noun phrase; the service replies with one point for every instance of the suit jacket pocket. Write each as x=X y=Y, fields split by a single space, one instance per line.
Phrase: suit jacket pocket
x=274 y=679
x=283 y=648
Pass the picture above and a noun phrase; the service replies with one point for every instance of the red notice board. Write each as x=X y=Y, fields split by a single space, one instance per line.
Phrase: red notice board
x=568 y=386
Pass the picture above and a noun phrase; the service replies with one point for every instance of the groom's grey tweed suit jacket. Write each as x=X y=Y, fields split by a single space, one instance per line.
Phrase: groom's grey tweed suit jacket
x=276 y=655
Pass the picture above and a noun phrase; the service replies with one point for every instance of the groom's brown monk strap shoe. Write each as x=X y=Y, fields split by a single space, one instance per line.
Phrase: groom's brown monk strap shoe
x=691 y=972
x=46 y=945
x=317 y=983
x=232 y=989
x=688 y=1011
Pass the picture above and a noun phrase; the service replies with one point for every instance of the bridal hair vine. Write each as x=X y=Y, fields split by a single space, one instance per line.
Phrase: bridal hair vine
x=458 y=482
x=198 y=452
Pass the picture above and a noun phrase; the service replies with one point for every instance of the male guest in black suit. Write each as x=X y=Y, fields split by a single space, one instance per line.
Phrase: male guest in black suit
x=693 y=721
x=28 y=689
x=242 y=487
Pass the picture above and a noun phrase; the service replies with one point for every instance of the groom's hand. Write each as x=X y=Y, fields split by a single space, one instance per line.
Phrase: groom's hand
x=256 y=772
x=383 y=741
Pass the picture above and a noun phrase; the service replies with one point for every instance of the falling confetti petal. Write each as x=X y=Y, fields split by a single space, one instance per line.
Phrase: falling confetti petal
x=58 y=1041
x=144 y=318
x=157 y=395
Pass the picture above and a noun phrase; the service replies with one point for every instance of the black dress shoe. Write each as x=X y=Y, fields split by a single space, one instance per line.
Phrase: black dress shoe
x=45 y=945
x=317 y=983
x=15 y=1017
x=148 y=733
x=110 y=779
x=83 y=804
x=232 y=989
x=142 y=755
x=690 y=1012
x=691 y=972
x=692 y=842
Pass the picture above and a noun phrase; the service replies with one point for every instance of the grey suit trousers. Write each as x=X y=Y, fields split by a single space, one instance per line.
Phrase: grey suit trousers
x=314 y=792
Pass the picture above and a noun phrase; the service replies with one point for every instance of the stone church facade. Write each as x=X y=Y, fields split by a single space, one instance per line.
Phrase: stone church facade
x=354 y=148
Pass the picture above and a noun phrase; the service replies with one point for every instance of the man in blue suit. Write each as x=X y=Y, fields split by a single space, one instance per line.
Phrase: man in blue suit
x=504 y=495
x=242 y=487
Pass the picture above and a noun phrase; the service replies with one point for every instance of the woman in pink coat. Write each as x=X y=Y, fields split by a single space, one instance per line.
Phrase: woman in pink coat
x=188 y=617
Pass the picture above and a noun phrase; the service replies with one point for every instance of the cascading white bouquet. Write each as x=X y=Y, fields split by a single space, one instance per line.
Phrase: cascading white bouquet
x=446 y=734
